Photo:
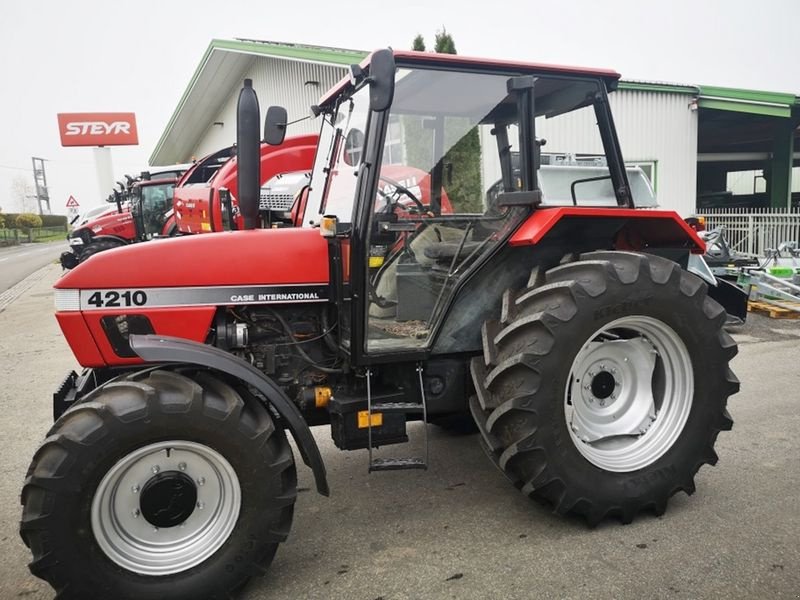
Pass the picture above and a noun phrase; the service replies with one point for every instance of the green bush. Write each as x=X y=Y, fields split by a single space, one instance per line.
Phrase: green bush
x=27 y=221
x=2 y=221
x=54 y=221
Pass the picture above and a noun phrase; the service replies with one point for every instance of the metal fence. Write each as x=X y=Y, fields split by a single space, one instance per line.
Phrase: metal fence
x=12 y=237
x=752 y=231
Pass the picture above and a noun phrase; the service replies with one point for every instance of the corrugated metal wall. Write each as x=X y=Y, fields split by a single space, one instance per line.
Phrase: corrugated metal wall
x=276 y=81
x=652 y=127
x=661 y=127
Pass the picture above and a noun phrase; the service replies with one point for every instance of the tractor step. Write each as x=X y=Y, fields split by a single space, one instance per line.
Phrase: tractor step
x=398 y=407
x=389 y=408
x=396 y=464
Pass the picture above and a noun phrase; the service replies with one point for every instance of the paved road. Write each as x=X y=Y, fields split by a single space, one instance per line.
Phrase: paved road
x=460 y=530
x=17 y=262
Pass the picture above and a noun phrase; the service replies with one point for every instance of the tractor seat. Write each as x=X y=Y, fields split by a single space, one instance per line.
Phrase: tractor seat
x=447 y=250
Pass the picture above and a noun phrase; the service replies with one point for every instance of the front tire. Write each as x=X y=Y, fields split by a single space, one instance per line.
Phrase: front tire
x=603 y=391
x=161 y=485
x=96 y=247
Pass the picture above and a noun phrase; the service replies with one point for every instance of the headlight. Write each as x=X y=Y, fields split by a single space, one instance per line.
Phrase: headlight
x=67 y=300
x=76 y=241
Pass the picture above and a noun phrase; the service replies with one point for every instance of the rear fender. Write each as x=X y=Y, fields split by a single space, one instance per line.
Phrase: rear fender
x=617 y=228
x=164 y=349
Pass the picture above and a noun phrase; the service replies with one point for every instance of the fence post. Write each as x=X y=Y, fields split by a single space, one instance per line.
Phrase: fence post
x=750 y=236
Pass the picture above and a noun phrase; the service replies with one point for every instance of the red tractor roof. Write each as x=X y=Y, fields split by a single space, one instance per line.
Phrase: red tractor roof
x=434 y=59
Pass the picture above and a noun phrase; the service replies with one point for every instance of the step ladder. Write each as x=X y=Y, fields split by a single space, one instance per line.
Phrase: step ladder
x=397 y=464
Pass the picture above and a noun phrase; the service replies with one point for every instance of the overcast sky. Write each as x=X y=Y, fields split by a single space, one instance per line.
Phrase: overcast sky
x=125 y=56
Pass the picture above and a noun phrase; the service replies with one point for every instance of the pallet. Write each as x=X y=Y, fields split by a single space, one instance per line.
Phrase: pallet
x=772 y=311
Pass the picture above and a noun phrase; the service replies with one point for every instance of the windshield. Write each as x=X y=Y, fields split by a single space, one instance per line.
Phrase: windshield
x=333 y=182
x=156 y=202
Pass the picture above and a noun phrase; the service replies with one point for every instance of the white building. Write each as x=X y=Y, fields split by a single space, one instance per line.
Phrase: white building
x=688 y=139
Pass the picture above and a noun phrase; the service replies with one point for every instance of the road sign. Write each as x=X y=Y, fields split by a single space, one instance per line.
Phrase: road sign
x=72 y=203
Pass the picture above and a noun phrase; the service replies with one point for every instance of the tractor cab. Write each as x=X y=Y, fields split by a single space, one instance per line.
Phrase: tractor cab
x=426 y=166
x=152 y=207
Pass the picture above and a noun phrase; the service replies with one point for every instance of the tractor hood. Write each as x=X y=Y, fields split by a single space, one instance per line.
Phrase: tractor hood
x=253 y=257
x=111 y=224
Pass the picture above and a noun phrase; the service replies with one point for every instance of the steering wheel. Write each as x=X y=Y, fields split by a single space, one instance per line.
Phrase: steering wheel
x=400 y=190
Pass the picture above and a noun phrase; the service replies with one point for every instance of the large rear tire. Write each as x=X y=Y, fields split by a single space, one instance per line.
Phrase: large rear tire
x=603 y=391
x=161 y=485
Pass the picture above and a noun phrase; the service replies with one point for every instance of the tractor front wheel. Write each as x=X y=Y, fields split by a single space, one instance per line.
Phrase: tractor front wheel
x=161 y=485
x=96 y=247
x=603 y=391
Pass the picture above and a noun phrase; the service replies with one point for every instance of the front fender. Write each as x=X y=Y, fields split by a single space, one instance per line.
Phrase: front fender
x=165 y=349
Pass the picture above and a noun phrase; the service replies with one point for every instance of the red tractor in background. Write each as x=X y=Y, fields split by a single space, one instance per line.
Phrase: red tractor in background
x=206 y=197
x=144 y=211
x=202 y=199
x=578 y=333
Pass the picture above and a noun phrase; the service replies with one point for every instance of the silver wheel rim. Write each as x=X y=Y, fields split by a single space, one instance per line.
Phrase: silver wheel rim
x=629 y=393
x=126 y=536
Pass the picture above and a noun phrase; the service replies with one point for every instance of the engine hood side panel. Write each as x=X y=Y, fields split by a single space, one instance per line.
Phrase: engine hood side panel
x=254 y=257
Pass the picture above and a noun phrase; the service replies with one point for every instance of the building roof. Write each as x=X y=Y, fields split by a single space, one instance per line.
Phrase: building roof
x=756 y=102
x=221 y=70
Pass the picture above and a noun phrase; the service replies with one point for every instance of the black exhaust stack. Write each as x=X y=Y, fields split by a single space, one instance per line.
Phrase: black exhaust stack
x=248 y=144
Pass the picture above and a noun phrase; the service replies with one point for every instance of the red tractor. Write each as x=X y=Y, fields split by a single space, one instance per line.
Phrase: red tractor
x=144 y=211
x=577 y=332
x=206 y=197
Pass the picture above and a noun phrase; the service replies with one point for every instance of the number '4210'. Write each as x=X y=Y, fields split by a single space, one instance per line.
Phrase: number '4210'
x=113 y=298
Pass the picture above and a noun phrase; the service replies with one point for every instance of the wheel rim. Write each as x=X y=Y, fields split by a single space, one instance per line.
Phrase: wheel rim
x=153 y=486
x=629 y=393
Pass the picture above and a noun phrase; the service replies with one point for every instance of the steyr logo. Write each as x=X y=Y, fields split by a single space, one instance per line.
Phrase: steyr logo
x=98 y=129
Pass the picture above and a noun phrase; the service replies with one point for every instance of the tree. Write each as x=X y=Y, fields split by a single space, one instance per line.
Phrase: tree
x=444 y=43
x=463 y=160
x=27 y=221
x=23 y=194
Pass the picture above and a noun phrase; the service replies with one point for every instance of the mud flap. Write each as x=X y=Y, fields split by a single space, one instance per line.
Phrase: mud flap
x=731 y=297
x=165 y=349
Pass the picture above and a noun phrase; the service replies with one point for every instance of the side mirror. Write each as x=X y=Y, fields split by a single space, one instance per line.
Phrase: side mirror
x=353 y=146
x=381 y=78
x=275 y=125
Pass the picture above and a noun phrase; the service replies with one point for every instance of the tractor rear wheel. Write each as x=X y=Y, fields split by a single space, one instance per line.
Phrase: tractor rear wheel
x=603 y=391
x=160 y=485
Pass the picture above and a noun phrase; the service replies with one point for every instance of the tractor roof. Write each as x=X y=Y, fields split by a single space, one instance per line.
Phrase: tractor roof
x=409 y=58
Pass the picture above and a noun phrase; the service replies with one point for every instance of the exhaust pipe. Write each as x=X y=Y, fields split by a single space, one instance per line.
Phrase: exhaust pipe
x=248 y=147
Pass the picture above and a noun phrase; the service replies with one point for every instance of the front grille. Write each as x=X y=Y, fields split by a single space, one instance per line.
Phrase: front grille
x=280 y=202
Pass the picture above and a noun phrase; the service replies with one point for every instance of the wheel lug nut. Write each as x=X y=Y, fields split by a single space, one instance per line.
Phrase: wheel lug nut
x=135 y=513
x=201 y=505
x=587 y=387
x=155 y=469
x=201 y=481
x=135 y=489
x=155 y=529
x=182 y=466
x=613 y=370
